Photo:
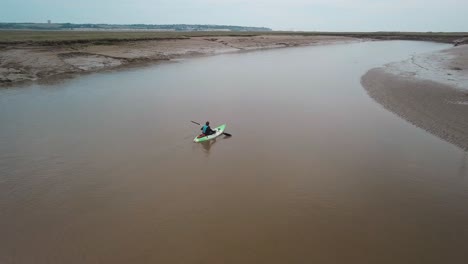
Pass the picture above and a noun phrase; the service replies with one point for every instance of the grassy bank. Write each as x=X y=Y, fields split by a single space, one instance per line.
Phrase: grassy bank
x=59 y=37
x=106 y=37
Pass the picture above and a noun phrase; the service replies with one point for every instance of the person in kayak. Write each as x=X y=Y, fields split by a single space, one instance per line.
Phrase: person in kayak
x=206 y=129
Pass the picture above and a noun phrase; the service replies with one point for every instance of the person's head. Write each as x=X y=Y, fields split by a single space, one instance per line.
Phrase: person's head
x=207 y=123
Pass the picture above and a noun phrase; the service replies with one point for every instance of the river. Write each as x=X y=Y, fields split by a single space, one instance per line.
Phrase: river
x=102 y=168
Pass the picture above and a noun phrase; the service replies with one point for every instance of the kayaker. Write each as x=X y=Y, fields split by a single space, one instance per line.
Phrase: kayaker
x=206 y=129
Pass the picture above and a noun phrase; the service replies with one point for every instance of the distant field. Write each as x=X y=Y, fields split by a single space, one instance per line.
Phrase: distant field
x=66 y=37
x=18 y=36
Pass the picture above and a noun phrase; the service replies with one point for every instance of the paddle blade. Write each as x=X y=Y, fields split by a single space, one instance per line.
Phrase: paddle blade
x=195 y=123
x=227 y=134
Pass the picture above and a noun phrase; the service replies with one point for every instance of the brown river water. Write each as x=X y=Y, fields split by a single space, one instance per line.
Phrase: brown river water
x=102 y=168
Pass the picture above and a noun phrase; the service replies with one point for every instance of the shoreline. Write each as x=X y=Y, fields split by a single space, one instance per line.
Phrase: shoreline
x=429 y=91
x=45 y=56
x=21 y=64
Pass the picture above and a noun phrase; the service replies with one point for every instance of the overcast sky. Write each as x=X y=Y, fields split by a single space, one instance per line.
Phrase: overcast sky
x=321 y=15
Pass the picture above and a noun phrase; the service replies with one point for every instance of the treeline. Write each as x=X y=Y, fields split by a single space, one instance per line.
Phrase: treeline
x=174 y=27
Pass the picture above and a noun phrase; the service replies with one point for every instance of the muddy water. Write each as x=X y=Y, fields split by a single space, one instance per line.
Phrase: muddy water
x=102 y=168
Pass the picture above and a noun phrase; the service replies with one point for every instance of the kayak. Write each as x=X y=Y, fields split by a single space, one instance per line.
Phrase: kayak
x=219 y=131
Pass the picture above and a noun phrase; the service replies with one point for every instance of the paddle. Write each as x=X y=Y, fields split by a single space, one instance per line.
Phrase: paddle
x=224 y=133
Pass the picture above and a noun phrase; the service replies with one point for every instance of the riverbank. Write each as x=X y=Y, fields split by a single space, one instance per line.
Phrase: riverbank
x=23 y=62
x=429 y=91
x=27 y=56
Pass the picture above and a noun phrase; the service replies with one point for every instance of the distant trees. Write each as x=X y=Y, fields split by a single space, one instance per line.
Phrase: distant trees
x=174 y=27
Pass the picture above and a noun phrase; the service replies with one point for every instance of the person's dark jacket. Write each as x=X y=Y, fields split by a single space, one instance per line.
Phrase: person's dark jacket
x=207 y=130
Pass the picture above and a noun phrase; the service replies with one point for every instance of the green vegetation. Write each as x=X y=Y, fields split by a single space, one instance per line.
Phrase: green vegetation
x=50 y=37
x=56 y=37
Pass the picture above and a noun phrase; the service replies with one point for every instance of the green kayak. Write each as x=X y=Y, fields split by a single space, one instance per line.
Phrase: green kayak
x=219 y=131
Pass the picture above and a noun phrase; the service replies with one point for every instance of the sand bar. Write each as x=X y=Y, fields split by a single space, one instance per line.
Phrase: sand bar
x=429 y=91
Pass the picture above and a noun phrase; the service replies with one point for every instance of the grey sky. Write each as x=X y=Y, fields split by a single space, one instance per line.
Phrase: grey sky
x=323 y=15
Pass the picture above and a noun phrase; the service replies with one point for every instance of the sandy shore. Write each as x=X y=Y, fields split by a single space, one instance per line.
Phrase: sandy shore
x=28 y=62
x=430 y=91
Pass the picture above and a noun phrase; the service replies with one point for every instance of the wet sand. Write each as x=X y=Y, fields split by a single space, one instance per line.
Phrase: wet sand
x=429 y=90
x=35 y=62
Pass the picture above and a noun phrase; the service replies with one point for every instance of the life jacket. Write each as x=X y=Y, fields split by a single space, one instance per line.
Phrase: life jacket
x=204 y=128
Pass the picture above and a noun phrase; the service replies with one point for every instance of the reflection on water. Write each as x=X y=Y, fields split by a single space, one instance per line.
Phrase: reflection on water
x=103 y=169
x=207 y=145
